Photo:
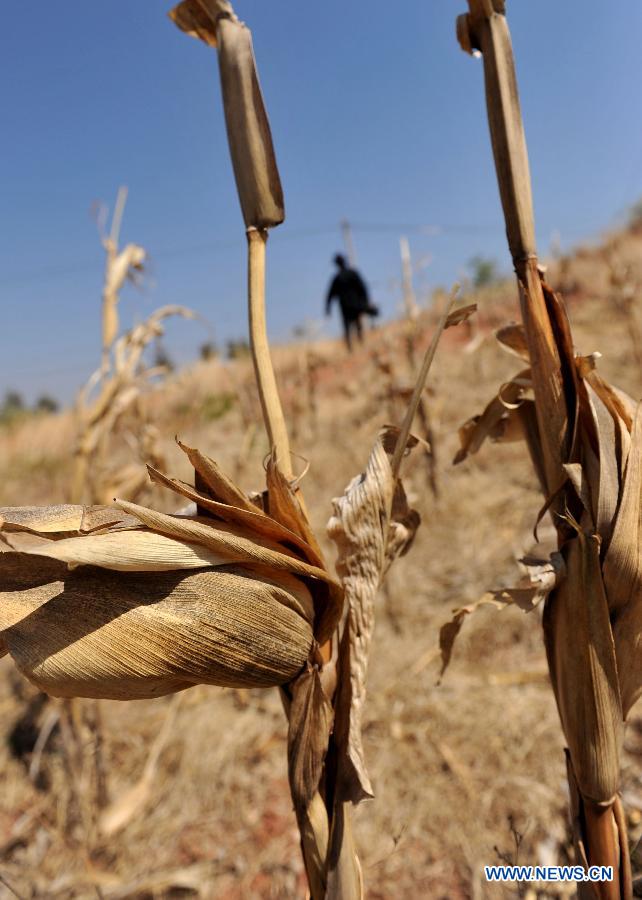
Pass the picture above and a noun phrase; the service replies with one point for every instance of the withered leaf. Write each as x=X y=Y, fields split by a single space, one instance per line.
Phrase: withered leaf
x=221 y=488
x=513 y=338
x=369 y=528
x=284 y=507
x=450 y=630
x=457 y=316
x=491 y=423
x=60 y=519
x=541 y=576
x=234 y=515
x=199 y=18
x=623 y=560
x=581 y=657
x=310 y=720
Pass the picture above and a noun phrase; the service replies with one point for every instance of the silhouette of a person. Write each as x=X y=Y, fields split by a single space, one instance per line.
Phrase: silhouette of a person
x=349 y=289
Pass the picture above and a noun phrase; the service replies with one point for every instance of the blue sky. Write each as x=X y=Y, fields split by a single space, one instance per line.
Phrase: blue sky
x=377 y=116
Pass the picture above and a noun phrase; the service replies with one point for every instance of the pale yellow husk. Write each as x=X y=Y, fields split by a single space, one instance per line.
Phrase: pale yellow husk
x=126 y=602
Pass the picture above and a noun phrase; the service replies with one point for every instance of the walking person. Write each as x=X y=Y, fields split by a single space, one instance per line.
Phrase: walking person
x=349 y=289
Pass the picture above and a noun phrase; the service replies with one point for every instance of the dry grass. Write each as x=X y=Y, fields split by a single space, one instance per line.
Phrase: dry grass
x=451 y=764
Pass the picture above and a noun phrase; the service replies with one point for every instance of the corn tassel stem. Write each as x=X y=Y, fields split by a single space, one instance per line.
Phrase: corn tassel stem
x=314 y=825
x=268 y=392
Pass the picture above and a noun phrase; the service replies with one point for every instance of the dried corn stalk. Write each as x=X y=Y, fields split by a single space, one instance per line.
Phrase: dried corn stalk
x=261 y=199
x=585 y=441
x=248 y=130
x=257 y=179
x=120 y=266
x=119 y=392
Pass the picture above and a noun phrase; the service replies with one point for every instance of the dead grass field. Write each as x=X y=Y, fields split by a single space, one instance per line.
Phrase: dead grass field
x=457 y=767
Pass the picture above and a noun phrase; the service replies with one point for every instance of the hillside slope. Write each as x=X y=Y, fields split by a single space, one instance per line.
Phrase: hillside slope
x=458 y=767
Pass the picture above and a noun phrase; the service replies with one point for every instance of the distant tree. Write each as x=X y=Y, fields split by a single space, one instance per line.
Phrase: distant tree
x=635 y=216
x=14 y=400
x=208 y=350
x=46 y=404
x=13 y=405
x=162 y=359
x=237 y=349
x=483 y=271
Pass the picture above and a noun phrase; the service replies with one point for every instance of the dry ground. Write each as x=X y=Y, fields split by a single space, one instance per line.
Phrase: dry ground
x=458 y=767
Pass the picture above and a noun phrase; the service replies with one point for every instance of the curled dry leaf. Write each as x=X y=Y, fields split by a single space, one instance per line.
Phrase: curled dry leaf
x=499 y=421
x=371 y=525
x=448 y=633
x=457 y=316
x=540 y=577
x=154 y=602
x=512 y=338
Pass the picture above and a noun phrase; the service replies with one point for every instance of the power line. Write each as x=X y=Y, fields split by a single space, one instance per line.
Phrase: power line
x=213 y=246
x=54 y=272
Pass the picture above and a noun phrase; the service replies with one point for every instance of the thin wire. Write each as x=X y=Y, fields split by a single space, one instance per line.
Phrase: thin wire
x=51 y=272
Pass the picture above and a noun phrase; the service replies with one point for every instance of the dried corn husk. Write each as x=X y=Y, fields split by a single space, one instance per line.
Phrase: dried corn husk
x=127 y=602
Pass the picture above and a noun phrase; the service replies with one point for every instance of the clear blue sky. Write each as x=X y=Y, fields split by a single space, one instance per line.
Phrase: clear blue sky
x=377 y=116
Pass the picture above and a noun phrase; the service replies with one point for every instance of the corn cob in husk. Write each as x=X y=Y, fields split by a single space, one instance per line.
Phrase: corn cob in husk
x=128 y=602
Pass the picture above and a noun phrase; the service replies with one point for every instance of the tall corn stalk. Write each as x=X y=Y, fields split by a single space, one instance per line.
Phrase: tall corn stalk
x=114 y=390
x=324 y=788
x=585 y=440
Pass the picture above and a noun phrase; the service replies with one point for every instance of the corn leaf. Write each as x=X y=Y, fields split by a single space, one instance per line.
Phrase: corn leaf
x=581 y=656
x=369 y=528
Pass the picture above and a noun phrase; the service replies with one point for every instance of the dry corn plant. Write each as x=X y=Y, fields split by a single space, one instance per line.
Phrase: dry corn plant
x=119 y=392
x=114 y=390
x=585 y=441
x=120 y=266
x=126 y=602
